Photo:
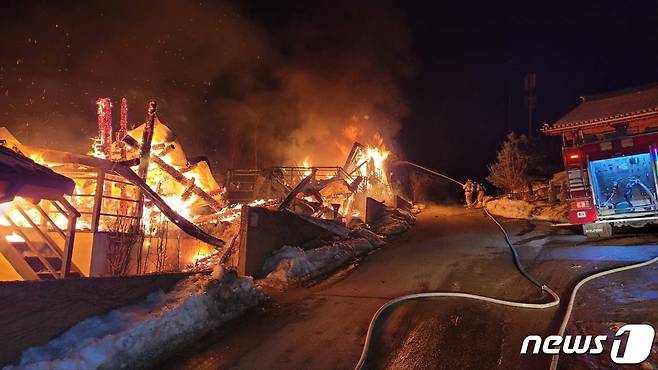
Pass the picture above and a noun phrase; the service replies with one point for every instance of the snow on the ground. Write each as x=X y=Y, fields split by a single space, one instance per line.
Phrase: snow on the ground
x=292 y=264
x=509 y=208
x=135 y=336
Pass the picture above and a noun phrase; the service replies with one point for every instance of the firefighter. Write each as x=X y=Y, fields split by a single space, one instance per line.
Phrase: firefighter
x=480 y=189
x=468 y=192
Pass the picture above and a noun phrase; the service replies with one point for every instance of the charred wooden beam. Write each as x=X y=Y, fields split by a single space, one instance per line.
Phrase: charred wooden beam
x=166 y=150
x=189 y=167
x=183 y=223
x=123 y=128
x=352 y=156
x=357 y=168
x=147 y=137
x=178 y=176
x=187 y=193
x=158 y=146
x=142 y=170
x=297 y=189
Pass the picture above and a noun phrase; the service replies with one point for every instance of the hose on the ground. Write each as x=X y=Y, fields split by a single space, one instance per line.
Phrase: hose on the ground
x=572 y=298
x=517 y=262
x=519 y=266
x=373 y=321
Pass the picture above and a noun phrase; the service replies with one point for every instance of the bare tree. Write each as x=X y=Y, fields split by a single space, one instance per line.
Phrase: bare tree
x=509 y=171
x=157 y=237
x=161 y=246
x=124 y=235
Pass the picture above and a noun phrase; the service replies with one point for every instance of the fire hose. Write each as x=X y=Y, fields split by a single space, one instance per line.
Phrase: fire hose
x=555 y=302
x=567 y=315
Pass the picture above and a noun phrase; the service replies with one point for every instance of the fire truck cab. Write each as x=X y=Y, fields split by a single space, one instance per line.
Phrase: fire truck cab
x=610 y=153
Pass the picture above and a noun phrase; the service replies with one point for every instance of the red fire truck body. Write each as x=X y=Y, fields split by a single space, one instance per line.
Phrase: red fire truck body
x=610 y=153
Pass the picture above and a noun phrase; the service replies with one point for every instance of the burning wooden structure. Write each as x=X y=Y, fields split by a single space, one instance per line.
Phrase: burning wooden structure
x=126 y=198
x=142 y=206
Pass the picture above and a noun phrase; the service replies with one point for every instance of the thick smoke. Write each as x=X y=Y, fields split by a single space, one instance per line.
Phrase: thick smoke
x=241 y=85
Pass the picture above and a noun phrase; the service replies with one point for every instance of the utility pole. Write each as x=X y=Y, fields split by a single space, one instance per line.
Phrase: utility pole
x=530 y=97
x=509 y=109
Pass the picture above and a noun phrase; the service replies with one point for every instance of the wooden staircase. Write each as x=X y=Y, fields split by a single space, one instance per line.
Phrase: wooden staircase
x=46 y=265
x=43 y=250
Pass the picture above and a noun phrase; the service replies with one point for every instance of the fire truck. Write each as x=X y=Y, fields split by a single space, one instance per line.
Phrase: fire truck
x=610 y=153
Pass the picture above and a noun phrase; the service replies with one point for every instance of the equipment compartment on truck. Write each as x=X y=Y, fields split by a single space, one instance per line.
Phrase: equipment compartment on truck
x=610 y=153
x=624 y=185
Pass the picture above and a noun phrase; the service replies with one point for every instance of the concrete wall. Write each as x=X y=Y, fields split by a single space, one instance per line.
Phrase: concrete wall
x=34 y=312
x=263 y=231
x=374 y=210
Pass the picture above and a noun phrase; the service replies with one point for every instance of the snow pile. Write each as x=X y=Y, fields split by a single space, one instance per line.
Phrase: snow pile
x=135 y=336
x=395 y=221
x=292 y=264
x=510 y=208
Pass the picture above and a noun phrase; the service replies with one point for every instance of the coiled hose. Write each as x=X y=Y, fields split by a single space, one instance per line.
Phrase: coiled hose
x=556 y=299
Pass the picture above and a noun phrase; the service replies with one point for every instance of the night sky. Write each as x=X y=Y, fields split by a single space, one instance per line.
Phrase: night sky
x=441 y=84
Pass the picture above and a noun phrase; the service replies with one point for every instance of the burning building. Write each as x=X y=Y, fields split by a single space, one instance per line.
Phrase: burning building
x=137 y=203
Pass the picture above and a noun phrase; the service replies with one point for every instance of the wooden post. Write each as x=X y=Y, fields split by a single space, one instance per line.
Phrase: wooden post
x=144 y=156
x=98 y=200
x=147 y=138
x=70 y=237
x=142 y=171
x=68 y=247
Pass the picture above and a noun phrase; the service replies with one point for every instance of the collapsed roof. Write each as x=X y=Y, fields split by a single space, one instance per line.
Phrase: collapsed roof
x=20 y=176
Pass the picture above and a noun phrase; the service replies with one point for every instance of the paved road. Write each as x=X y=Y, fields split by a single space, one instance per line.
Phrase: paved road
x=450 y=249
